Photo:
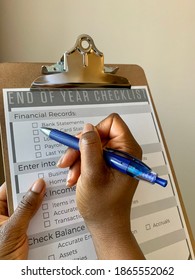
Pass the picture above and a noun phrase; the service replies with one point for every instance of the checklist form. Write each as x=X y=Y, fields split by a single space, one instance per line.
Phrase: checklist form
x=58 y=231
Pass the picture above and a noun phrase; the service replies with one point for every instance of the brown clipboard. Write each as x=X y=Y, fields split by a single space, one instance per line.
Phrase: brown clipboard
x=21 y=75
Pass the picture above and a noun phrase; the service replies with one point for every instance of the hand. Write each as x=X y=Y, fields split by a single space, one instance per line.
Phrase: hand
x=13 y=238
x=104 y=195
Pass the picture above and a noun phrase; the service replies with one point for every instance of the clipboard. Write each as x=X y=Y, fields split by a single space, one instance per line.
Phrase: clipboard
x=74 y=71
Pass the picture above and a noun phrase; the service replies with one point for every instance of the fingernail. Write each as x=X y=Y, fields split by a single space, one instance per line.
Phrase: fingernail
x=88 y=127
x=59 y=161
x=68 y=180
x=38 y=186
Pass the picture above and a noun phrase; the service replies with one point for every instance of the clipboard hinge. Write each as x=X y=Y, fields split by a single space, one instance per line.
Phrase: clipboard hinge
x=82 y=66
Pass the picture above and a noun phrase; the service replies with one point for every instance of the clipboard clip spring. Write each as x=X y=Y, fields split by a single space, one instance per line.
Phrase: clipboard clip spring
x=82 y=66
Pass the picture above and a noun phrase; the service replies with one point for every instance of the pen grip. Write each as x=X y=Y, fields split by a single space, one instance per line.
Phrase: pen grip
x=65 y=139
x=130 y=166
x=115 y=161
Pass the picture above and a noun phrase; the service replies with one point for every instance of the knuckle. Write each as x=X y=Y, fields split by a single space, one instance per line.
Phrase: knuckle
x=89 y=138
x=115 y=115
x=28 y=201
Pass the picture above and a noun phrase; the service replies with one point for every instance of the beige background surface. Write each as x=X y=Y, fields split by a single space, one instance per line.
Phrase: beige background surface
x=157 y=35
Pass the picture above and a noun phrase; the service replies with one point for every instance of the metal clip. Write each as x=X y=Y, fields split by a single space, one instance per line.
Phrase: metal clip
x=82 y=66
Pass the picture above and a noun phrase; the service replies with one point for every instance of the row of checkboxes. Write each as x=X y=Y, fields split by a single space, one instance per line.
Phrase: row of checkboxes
x=45 y=208
x=36 y=140
x=38 y=154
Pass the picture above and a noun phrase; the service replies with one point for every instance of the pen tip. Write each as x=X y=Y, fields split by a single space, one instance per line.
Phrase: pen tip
x=45 y=130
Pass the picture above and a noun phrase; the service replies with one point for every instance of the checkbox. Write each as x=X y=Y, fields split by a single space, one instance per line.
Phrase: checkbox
x=37 y=147
x=34 y=125
x=40 y=175
x=35 y=132
x=47 y=224
x=45 y=206
x=46 y=215
x=38 y=155
x=36 y=139
x=148 y=227
x=51 y=257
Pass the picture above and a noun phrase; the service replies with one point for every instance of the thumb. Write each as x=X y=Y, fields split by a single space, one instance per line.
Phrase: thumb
x=28 y=206
x=91 y=151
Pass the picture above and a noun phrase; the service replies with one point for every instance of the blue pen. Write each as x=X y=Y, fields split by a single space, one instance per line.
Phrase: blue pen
x=119 y=160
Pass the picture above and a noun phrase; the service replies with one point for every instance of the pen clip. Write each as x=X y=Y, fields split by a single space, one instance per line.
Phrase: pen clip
x=130 y=157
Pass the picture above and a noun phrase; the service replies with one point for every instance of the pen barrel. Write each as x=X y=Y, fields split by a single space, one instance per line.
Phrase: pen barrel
x=64 y=138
